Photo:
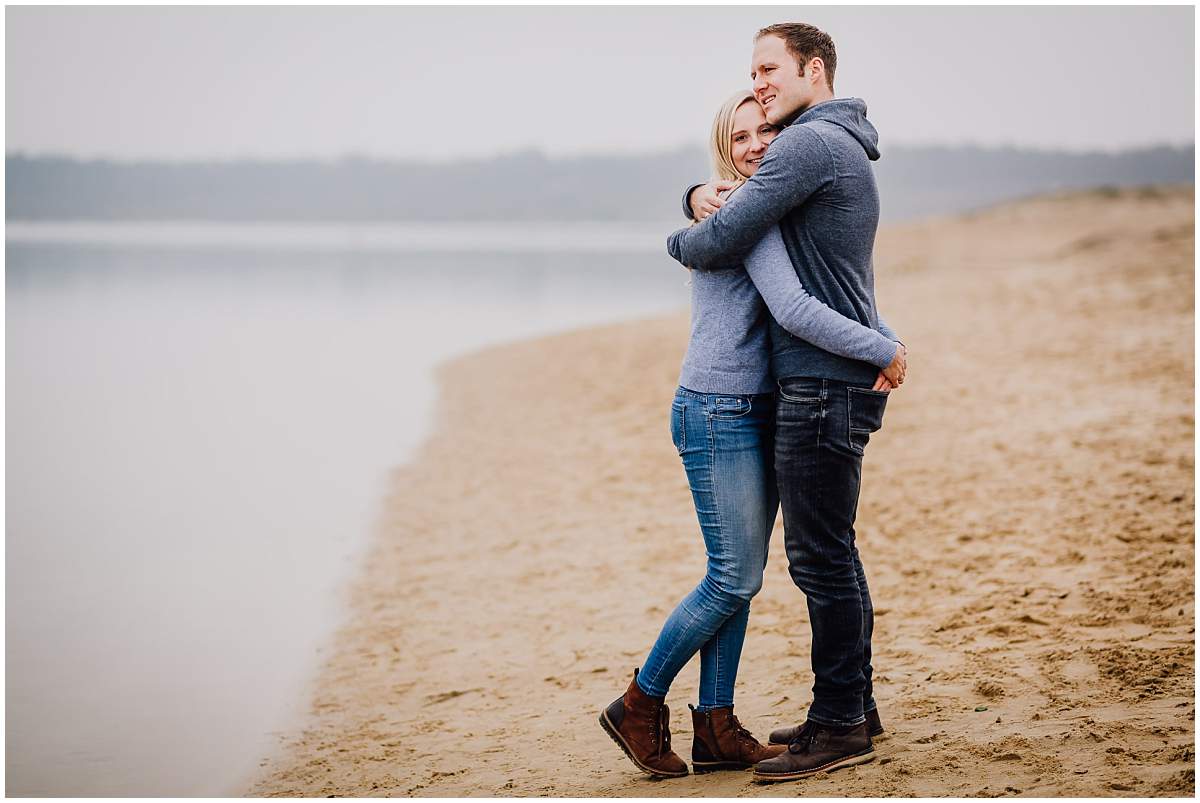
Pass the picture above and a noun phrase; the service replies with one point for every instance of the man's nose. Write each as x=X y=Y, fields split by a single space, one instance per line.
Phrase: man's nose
x=760 y=83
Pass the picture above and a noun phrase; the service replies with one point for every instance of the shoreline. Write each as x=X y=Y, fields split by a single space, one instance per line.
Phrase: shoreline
x=525 y=557
x=298 y=712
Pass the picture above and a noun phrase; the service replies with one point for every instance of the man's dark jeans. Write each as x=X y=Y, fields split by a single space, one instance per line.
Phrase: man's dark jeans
x=822 y=428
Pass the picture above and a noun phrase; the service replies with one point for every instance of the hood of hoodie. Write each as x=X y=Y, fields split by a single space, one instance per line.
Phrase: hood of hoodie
x=850 y=114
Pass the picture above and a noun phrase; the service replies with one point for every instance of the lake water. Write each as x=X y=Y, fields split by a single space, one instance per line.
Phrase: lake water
x=200 y=422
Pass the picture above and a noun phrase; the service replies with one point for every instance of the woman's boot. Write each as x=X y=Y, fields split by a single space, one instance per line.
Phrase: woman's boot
x=640 y=724
x=721 y=743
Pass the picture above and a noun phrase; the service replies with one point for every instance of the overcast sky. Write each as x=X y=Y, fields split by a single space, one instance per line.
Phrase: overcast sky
x=444 y=83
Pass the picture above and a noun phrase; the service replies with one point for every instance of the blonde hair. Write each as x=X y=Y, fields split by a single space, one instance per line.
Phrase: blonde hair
x=721 y=145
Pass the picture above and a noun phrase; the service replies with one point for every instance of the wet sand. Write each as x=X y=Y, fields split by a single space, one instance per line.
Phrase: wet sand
x=1026 y=523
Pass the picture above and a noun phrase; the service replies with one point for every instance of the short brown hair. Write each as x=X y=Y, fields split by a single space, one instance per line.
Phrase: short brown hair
x=805 y=42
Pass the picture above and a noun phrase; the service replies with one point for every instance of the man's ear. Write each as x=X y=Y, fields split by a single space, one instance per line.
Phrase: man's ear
x=816 y=70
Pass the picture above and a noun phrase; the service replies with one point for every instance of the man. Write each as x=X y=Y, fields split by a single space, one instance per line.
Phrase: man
x=816 y=183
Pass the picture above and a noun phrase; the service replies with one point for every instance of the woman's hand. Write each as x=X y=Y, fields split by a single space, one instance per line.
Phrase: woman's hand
x=706 y=198
x=895 y=372
x=882 y=383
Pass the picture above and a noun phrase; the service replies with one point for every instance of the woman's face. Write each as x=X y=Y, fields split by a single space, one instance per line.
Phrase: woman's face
x=751 y=136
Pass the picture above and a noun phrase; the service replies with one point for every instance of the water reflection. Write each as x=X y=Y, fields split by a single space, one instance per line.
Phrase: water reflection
x=198 y=437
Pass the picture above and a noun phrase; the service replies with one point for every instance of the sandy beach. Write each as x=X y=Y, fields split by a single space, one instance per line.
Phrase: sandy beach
x=1026 y=523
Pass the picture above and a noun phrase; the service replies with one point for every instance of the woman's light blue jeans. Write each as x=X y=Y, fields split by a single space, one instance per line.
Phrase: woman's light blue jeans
x=727 y=446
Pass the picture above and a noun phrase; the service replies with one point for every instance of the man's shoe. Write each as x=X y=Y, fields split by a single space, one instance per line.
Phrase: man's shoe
x=786 y=735
x=721 y=743
x=640 y=724
x=818 y=748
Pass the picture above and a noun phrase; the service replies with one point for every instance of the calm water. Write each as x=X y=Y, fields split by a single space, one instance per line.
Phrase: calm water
x=200 y=421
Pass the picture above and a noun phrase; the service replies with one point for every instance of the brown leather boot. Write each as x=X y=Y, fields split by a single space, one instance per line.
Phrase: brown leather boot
x=640 y=724
x=818 y=748
x=786 y=735
x=721 y=743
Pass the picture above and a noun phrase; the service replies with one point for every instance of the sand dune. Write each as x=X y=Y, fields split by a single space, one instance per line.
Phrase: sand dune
x=1027 y=526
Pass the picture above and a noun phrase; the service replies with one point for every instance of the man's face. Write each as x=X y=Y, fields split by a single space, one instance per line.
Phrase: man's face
x=778 y=86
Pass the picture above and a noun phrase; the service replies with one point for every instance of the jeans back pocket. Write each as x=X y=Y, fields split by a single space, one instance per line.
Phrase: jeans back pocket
x=864 y=408
x=679 y=425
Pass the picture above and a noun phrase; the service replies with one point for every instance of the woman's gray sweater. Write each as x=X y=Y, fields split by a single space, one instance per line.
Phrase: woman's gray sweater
x=730 y=349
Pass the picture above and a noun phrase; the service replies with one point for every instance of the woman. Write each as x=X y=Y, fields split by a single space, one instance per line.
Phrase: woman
x=722 y=424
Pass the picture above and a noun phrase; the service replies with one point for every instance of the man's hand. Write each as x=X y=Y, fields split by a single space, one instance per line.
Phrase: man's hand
x=895 y=372
x=706 y=198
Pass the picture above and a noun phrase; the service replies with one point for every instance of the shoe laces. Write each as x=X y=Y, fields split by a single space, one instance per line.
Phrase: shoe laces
x=741 y=731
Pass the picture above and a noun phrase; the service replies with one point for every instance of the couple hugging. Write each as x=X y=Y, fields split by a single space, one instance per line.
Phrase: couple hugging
x=776 y=410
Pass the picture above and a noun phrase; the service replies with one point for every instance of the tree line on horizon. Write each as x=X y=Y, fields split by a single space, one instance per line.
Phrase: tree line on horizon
x=527 y=186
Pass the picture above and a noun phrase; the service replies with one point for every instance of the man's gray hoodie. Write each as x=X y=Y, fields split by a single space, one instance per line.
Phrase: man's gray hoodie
x=816 y=182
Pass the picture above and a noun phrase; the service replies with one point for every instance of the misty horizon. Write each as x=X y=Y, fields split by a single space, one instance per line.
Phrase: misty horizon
x=533 y=150
x=529 y=185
